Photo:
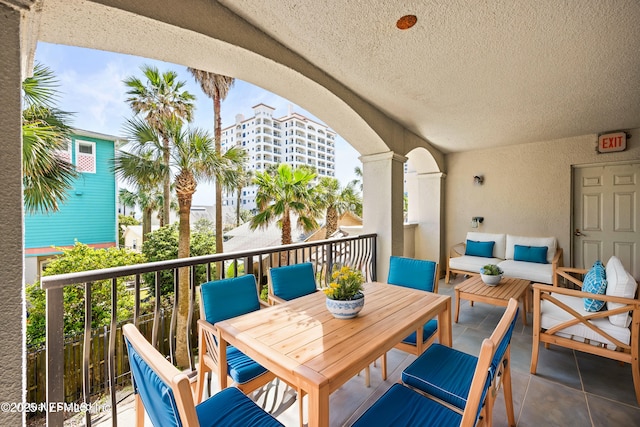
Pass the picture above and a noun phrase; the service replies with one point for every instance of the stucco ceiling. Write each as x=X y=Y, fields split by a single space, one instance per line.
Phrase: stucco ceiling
x=473 y=75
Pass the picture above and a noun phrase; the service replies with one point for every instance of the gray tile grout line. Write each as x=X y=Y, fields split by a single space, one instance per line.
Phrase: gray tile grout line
x=584 y=393
x=524 y=398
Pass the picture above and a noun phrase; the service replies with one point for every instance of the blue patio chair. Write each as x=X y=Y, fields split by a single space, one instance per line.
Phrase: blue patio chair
x=417 y=274
x=165 y=393
x=402 y=405
x=221 y=300
x=290 y=282
x=446 y=373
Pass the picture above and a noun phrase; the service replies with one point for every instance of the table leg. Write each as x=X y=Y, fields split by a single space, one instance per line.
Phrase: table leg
x=444 y=325
x=222 y=363
x=525 y=304
x=457 y=304
x=318 y=399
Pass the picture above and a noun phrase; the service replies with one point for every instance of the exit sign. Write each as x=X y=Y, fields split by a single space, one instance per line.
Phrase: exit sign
x=612 y=142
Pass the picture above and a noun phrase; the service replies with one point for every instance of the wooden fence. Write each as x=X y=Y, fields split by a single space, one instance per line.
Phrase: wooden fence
x=99 y=354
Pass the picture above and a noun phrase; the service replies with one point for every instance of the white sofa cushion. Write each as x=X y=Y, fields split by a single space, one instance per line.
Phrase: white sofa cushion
x=540 y=273
x=620 y=283
x=471 y=263
x=549 y=242
x=551 y=315
x=498 y=248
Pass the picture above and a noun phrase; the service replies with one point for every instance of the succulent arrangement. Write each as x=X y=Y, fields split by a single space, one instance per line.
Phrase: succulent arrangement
x=491 y=270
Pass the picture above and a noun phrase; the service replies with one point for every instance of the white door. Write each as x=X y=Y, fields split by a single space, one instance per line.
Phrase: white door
x=607 y=215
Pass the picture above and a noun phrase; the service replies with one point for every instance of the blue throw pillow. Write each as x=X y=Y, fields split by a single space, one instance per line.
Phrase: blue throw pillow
x=594 y=282
x=483 y=249
x=530 y=253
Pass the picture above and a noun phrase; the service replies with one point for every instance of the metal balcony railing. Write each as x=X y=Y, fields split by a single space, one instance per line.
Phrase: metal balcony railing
x=358 y=252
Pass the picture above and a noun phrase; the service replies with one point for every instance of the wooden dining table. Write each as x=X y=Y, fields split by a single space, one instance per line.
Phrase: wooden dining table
x=303 y=344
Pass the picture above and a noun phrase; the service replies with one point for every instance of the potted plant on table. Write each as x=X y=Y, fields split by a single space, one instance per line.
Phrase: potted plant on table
x=491 y=274
x=344 y=294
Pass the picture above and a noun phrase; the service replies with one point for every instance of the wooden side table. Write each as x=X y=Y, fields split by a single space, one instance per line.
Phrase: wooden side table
x=474 y=289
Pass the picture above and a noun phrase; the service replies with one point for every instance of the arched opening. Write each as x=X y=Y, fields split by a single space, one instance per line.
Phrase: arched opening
x=424 y=190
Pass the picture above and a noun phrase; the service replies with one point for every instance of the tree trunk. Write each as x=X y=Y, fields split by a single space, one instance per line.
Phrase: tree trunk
x=166 y=185
x=331 y=221
x=238 y=199
x=286 y=227
x=218 y=144
x=146 y=222
x=184 y=240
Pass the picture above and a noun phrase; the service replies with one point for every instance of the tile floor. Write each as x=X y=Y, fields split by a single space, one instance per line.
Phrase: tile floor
x=570 y=388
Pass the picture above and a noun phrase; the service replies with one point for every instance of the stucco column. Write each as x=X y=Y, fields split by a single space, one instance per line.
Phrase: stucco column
x=12 y=313
x=383 y=189
x=426 y=209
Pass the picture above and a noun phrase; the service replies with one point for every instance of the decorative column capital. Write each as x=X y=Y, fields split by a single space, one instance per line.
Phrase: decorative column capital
x=388 y=155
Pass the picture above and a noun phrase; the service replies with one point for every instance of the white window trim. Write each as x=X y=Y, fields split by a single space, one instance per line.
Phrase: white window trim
x=93 y=151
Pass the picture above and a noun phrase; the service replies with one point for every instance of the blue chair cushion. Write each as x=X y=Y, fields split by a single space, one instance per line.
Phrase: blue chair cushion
x=530 y=254
x=231 y=408
x=594 y=282
x=227 y=298
x=293 y=281
x=443 y=372
x=241 y=367
x=403 y=407
x=412 y=273
x=481 y=249
x=157 y=397
x=428 y=329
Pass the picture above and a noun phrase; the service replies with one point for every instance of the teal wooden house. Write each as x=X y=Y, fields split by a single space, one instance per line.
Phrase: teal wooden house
x=88 y=215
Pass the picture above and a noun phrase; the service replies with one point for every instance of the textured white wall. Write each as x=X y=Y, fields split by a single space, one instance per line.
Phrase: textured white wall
x=527 y=188
x=12 y=314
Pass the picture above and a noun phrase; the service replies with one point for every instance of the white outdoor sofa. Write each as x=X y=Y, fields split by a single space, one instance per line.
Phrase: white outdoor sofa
x=503 y=254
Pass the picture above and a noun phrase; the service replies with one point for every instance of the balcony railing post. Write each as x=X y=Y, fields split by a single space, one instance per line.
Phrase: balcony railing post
x=112 y=351
x=86 y=351
x=55 y=354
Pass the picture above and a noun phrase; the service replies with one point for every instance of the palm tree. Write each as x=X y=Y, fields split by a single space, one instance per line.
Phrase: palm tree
x=46 y=175
x=159 y=201
x=244 y=177
x=160 y=98
x=127 y=198
x=216 y=87
x=283 y=193
x=145 y=170
x=357 y=182
x=336 y=201
x=193 y=158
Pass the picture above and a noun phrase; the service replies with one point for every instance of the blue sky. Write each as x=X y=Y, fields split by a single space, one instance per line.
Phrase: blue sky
x=91 y=87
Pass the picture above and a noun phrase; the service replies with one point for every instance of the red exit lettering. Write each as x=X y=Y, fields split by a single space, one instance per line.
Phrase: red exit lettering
x=612 y=142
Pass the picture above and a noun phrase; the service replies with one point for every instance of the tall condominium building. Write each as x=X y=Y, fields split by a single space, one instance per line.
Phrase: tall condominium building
x=293 y=139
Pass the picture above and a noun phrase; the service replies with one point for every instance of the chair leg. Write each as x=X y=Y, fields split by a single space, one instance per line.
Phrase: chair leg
x=202 y=370
x=300 y=408
x=635 y=371
x=490 y=400
x=139 y=408
x=508 y=391
x=534 y=353
x=367 y=376
x=384 y=367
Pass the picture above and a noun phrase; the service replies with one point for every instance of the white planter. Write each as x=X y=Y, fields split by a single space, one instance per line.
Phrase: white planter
x=491 y=280
x=345 y=309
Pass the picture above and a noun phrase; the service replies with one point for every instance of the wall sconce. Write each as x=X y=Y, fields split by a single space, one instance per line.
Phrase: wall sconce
x=478 y=179
x=476 y=220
